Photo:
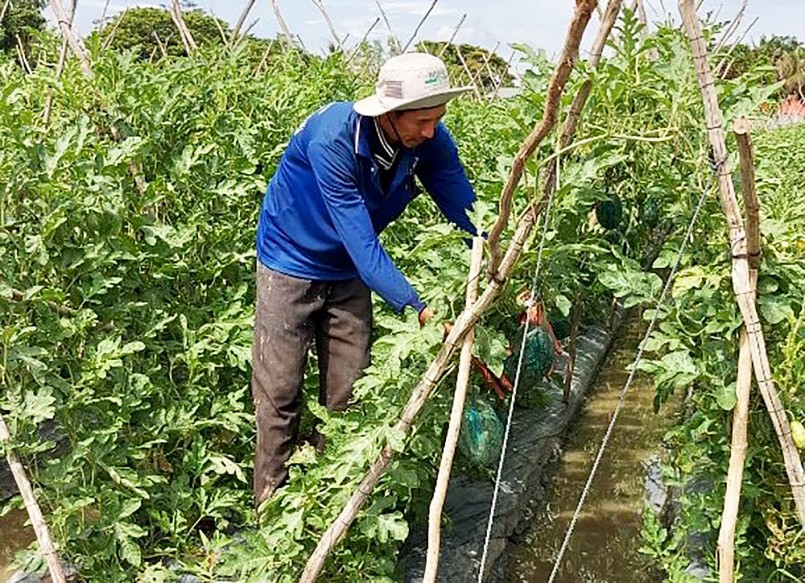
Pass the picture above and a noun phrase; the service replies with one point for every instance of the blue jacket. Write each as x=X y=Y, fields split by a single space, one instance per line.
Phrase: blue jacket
x=324 y=208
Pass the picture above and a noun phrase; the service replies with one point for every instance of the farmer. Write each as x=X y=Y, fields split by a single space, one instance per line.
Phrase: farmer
x=347 y=173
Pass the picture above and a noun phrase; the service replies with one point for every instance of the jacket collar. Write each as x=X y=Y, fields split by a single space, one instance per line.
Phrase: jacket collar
x=362 y=129
x=362 y=139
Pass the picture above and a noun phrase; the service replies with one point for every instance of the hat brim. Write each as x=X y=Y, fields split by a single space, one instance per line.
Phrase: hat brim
x=373 y=105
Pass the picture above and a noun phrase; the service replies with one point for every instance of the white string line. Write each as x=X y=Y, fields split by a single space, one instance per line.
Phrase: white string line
x=632 y=372
x=531 y=300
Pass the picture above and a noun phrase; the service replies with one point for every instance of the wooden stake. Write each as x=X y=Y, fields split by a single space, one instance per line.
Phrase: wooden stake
x=464 y=366
x=241 y=19
x=741 y=280
x=336 y=531
x=475 y=90
x=111 y=36
x=3 y=9
x=452 y=36
x=499 y=83
x=26 y=66
x=363 y=39
x=284 y=27
x=396 y=47
x=59 y=66
x=751 y=204
x=67 y=32
x=573 y=116
x=320 y=5
x=103 y=16
x=732 y=27
x=190 y=45
x=725 y=550
x=556 y=86
x=34 y=512
x=418 y=26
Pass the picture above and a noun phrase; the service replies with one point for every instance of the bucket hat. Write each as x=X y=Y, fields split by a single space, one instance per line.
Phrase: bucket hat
x=409 y=81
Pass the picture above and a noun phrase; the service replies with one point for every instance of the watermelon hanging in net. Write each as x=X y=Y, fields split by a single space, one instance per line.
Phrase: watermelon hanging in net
x=609 y=212
x=481 y=437
x=537 y=358
x=649 y=213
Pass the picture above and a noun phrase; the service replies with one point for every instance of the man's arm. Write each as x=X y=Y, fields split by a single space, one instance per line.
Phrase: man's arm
x=443 y=176
x=335 y=173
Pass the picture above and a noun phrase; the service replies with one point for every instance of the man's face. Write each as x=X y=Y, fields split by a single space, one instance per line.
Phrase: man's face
x=417 y=125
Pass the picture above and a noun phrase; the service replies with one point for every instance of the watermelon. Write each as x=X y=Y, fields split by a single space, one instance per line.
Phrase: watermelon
x=609 y=212
x=537 y=360
x=650 y=213
x=481 y=436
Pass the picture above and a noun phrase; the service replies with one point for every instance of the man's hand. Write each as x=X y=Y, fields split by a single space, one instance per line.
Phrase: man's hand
x=425 y=315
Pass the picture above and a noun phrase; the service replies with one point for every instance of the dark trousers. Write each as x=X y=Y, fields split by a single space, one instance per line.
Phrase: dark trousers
x=291 y=314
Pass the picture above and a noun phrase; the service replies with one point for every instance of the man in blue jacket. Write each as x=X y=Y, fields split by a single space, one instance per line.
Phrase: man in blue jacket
x=348 y=172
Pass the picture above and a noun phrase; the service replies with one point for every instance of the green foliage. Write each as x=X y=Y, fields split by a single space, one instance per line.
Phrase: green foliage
x=127 y=315
x=23 y=19
x=778 y=58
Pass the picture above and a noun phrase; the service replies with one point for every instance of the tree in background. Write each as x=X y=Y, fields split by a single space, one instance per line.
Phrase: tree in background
x=782 y=56
x=487 y=68
x=23 y=18
x=145 y=29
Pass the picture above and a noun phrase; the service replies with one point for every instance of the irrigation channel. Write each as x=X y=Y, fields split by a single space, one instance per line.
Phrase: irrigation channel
x=605 y=542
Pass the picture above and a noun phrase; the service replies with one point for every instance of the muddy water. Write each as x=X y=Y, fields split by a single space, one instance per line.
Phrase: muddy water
x=604 y=545
x=14 y=536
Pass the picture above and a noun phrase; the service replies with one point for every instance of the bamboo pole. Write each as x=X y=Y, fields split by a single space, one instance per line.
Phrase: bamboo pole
x=241 y=19
x=499 y=83
x=111 y=36
x=3 y=10
x=732 y=27
x=453 y=35
x=723 y=66
x=26 y=66
x=336 y=531
x=190 y=45
x=751 y=204
x=286 y=32
x=67 y=32
x=555 y=87
x=725 y=551
x=396 y=47
x=60 y=65
x=80 y=53
x=320 y=5
x=418 y=26
x=464 y=366
x=466 y=68
x=363 y=40
x=102 y=22
x=34 y=512
x=741 y=280
x=640 y=8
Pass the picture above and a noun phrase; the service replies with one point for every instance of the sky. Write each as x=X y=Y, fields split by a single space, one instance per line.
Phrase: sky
x=539 y=23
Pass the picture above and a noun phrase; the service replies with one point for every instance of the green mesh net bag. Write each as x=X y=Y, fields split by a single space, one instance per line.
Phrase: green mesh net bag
x=609 y=213
x=537 y=363
x=649 y=213
x=481 y=436
x=537 y=360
